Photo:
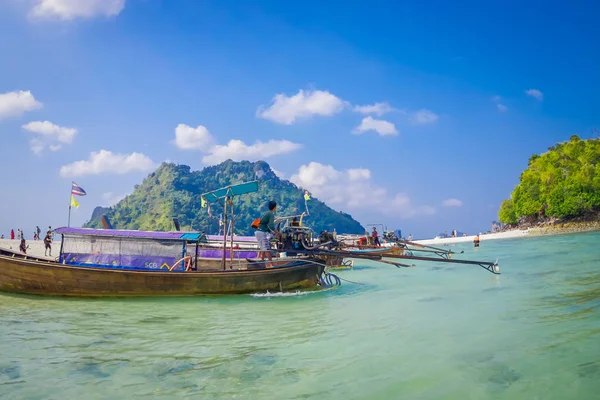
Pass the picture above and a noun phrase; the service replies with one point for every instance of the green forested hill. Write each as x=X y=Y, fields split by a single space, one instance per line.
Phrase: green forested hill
x=561 y=183
x=174 y=191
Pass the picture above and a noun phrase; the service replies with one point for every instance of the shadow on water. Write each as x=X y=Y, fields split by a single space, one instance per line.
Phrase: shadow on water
x=589 y=370
x=495 y=374
x=580 y=300
x=91 y=368
x=500 y=375
x=12 y=370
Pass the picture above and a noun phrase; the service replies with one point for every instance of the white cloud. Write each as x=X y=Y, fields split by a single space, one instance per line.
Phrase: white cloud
x=237 y=150
x=50 y=135
x=353 y=189
x=36 y=146
x=107 y=162
x=14 y=104
x=452 y=203
x=110 y=198
x=536 y=94
x=501 y=107
x=47 y=128
x=357 y=174
x=285 y=110
x=188 y=138
x=384 y=128
x=199 y=138
x=378 y=109
x=424 y=116
x=71 y=9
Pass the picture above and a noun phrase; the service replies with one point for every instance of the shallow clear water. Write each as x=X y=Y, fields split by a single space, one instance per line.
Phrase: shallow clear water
x=432 y=332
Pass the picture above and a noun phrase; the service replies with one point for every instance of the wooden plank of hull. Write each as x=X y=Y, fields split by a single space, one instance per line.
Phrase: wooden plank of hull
x=50 y=278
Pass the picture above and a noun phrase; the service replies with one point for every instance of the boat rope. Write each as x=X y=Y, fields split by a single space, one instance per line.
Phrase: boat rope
x=329 y=280
x=349 y=281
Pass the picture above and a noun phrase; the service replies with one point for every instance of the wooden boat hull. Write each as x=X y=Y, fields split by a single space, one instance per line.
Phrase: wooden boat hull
x=40 y=277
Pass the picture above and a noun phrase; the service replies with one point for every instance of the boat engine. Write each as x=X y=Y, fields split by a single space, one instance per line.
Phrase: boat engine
x=390 y=236
x=329 y=238
x=293 y=239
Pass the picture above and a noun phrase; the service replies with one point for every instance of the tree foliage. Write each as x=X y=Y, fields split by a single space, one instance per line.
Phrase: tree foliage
x=174 y=191
x=563 y=182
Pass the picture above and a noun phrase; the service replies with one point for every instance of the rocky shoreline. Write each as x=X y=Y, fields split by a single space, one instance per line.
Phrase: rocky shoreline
x=554 y=226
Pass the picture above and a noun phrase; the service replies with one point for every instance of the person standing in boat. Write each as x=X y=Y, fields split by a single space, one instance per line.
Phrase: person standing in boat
x=375 y=237
x=48 y=244
x=264 y=232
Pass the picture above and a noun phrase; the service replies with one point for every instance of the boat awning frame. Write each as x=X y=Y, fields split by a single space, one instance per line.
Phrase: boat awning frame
x=130 y=234
x=230 y=191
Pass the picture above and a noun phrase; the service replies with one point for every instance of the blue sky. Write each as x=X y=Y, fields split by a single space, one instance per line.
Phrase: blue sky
x=462 y=93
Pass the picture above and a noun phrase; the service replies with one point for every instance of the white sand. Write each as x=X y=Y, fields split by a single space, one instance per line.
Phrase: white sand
x=36 y=247
x=490 y=236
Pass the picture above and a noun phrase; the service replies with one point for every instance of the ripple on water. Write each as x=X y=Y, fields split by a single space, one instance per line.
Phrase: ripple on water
x=158 y=319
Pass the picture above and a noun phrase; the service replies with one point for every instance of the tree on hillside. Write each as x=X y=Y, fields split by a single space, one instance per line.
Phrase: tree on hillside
x=563 y=182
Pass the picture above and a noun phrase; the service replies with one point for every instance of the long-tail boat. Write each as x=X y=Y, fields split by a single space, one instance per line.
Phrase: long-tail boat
x=107 y=262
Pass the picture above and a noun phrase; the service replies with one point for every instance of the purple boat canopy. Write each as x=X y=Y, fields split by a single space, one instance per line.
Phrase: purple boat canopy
x=179 y=236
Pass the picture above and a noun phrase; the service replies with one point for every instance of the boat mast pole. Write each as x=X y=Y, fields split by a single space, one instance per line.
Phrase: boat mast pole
x=70 y=196
x=232 y=219
x=225 y=228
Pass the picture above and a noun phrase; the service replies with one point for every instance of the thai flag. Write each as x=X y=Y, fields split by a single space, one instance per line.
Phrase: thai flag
x=77 y=190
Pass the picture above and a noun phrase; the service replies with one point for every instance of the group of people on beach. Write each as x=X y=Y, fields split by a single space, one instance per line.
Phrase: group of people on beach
x=23 y=247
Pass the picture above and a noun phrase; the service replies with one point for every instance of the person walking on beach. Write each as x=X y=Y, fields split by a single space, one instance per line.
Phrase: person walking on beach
x=48 y=244
x=12 y=234
x=265 y=230
x=38 y=231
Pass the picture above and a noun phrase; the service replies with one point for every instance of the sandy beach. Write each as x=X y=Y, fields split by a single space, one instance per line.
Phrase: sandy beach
x=36 y=247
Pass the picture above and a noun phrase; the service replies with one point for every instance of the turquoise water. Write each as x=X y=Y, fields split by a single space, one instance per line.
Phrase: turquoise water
x=432 y=332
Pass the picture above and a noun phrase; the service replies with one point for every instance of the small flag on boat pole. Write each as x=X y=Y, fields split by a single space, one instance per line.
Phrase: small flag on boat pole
x=77 y=190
